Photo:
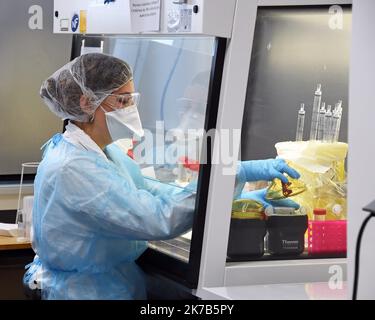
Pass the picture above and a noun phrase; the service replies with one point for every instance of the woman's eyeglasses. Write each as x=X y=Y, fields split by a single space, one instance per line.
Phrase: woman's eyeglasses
x=119 y=101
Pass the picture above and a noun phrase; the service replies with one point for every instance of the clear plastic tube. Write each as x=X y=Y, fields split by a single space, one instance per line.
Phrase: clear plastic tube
x=315 y=114
x=337 y=132
x=336 y=107
x=22 y=220
x=327 y=136
x=181 y=176
x=300 y=123
x=337 y=126
x=336 y=121
x=321 y=118
x=340 y=106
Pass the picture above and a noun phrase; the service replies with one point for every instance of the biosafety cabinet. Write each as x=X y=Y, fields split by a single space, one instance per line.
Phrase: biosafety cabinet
x=243 y=68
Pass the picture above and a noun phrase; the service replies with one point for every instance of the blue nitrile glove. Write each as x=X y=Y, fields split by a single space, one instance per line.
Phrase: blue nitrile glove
x=267 y=170
x=260 y=196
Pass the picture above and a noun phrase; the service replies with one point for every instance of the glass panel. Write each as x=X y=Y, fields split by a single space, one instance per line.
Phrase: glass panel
x=172 y=109
x=294 y=50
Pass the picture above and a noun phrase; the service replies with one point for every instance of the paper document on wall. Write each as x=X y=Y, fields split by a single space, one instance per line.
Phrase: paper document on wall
x=145 y=15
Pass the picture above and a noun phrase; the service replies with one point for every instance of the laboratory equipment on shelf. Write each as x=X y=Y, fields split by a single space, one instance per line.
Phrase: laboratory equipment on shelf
x=247 y=230
x=322 y=114
x=327 y=135
x=325 y=122
x=286 y=229
x=300 y=123
x=315 y=113
x=286 y=226
x=327 y=237
x=320 y=214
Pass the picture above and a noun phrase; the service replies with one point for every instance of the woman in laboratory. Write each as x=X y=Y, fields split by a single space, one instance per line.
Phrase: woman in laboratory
x=93 y=210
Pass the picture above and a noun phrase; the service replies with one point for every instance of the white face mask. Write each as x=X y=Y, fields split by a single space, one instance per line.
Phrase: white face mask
x=124 y=123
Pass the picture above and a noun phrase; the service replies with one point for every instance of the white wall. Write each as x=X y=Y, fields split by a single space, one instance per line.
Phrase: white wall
x=9 y=195
x=361 y=163
x=27 y=57
x=8 y=202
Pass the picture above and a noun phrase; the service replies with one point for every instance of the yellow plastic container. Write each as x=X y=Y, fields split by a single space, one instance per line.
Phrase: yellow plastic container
x=322 y=169
x=247 y=209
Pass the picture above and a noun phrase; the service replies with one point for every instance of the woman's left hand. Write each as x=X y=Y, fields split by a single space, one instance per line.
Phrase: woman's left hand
x=267 y=170
x=260 y=196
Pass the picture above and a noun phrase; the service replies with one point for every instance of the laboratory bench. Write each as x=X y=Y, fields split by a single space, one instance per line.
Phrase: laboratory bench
x=11 y=243
x=14 y=256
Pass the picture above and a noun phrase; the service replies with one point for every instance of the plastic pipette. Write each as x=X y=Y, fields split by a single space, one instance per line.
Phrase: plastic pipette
x=339 y=106
x=335 y=125
x=335 y=109
x=337 y=116
x=300 y=123
x=315 y=114
x=327 y=136
x=321 y=118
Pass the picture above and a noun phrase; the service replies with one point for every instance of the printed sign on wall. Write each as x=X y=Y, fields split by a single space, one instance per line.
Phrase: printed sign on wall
x=145 y=15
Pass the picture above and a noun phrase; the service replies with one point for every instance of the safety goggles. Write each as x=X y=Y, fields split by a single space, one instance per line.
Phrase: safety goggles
x=120 y=101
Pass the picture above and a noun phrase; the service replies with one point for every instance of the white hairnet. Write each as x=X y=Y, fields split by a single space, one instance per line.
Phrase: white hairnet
x=93 y=75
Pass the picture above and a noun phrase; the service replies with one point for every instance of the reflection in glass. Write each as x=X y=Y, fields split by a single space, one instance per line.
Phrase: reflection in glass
x=172 y=76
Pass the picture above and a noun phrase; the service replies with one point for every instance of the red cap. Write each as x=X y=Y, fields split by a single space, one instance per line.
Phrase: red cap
x=189 y=164
x=320 y=212
x=194 y=166
x=131 y=153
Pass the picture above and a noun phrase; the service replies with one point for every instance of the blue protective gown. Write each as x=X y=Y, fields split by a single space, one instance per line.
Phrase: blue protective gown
x=92 y=219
